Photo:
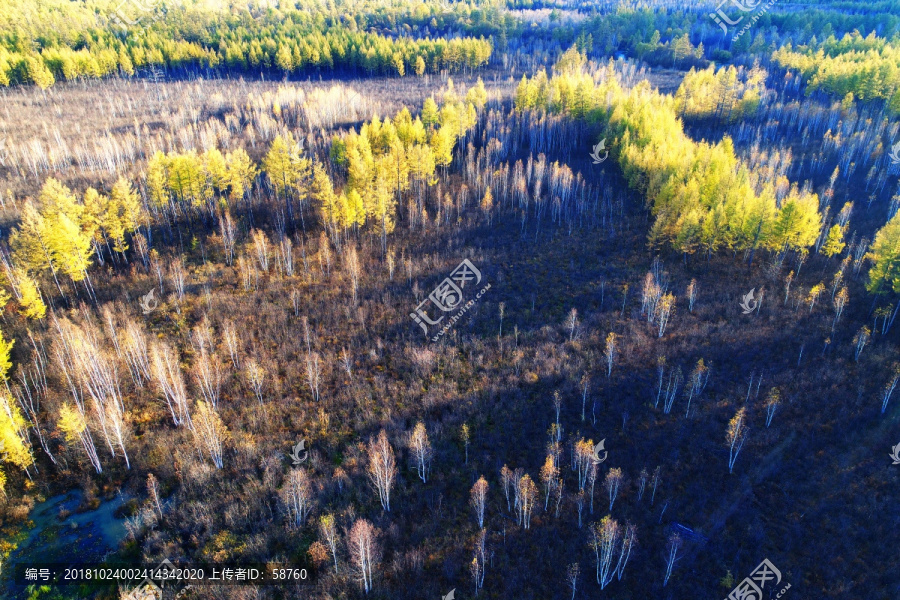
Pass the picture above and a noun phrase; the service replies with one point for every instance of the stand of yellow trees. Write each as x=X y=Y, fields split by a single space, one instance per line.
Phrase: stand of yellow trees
x=702 y=196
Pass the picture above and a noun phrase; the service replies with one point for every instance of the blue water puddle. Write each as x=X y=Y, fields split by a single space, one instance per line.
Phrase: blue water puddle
x=79 y=537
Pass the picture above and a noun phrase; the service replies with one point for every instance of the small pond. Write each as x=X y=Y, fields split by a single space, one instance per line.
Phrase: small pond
x=61 y=535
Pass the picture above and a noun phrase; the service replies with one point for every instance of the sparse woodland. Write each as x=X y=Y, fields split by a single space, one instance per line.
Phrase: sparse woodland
x=217 y=228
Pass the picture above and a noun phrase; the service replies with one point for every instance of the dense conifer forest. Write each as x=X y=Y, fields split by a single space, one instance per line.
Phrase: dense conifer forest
x=449 y=299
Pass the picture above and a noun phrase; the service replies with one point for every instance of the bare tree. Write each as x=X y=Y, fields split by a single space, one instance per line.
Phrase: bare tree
x=585 y=382
x=692 y=294
x=353 y=270
x=642 y=483
x=208 y=375
x=170 y=382
x=297 y=496
x=347 y=362
x=889 y=388
x=861 y=339
x=584 y=451
x=382 y=468
x=313 y=374
x=328 y=533
x=153 y=490
x=671 y=555
x=572 y=323
x=261 y=248
x=840 y=301
x=572 y=573
x=227 y=231
x=579 y=505
x=675 y=380
x=421 y=451
x=557 y=408
x=664 y=312
x=118 y=427
x=209 y=432
x=478 y=566
x=655 y=483
x=699 y=378
x=179 y=278
x=230 y=339
x=610 y=353
x=133 y=343
x=479 y=499
x=592 y=480
x=256 y=378
x=507 y=481
x=464 y=432
x=365 y=552
x=612 y=483
x=629 y=539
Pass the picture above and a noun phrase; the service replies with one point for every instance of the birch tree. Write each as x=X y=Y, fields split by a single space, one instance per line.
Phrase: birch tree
x=479 y=500
x=297 y=496
x=478 y=566
x=860 y=341
x=610 y=353
x=74 y=427
x=671 y=555
x=507 y=481
x=382 y=468
x=655 y=483
x=153 y=490
x=256 y=377
x=604 y=539
x=692 y=294
x=169 y=381
x=629 y=539
x=365 y=552
x=549 y=477
x=528 y=493
x=773 y=400
x=699 y=377
x=209 y=432
x=612 y=483
x=328 y=533
x=737 y=434
x=421 y=450
x=572 y=572
x=890 y=387
x=208 y=375
x=642 y=483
